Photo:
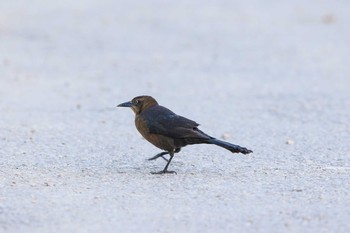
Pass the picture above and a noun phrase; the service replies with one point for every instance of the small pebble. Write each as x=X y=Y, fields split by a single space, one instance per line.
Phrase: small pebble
x=328 y=19
x=225 y=136
x=290 y=142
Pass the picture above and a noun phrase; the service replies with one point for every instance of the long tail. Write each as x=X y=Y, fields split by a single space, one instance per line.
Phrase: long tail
x=231 y=147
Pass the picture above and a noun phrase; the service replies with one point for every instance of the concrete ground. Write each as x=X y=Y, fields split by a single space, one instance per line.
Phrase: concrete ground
x=269 y=75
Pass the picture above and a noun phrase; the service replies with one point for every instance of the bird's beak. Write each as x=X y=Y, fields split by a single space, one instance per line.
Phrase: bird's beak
x=126 y=104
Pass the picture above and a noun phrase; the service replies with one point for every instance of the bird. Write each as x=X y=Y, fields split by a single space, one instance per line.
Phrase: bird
x=169 y=131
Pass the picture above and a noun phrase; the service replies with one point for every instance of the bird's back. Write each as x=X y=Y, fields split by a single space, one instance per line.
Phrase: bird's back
x=162 y=121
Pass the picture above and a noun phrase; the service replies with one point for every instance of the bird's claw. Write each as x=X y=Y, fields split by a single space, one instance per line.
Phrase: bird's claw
x=163 y=172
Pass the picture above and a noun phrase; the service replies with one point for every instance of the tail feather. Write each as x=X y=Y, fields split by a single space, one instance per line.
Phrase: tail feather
x=231 y=147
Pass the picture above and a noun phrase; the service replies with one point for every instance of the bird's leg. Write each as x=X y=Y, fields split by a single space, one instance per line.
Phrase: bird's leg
x=159 y=155
x=165 y=170
x=177 y=150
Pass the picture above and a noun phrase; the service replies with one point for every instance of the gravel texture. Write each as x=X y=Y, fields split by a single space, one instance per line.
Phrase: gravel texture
x=273 y=76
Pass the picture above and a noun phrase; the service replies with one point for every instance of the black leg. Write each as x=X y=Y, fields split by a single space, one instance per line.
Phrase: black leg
x=177 y=150
x=159 y=155
x=165 y=170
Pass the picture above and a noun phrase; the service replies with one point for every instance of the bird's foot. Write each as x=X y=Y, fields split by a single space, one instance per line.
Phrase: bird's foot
x=163 y=172
x=156 y=157
x=159 y=155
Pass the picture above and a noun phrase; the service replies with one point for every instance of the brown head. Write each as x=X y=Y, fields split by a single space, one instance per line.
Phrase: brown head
x=140 y=103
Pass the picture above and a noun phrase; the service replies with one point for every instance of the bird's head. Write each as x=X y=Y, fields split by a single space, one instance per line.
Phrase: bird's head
x=140 y=103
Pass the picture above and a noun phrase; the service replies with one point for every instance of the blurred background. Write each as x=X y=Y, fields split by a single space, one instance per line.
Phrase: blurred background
x=62 y=50
x=270 y=75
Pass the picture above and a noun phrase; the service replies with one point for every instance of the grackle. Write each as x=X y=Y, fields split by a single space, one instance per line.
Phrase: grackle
x=169 y=131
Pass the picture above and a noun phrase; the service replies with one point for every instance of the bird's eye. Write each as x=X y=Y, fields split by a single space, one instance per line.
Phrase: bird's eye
x=137 y=101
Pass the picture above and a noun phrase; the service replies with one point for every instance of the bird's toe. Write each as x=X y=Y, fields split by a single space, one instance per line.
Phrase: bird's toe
x=163 y=172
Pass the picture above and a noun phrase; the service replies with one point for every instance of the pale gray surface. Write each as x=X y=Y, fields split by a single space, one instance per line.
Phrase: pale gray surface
x=263 y=72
